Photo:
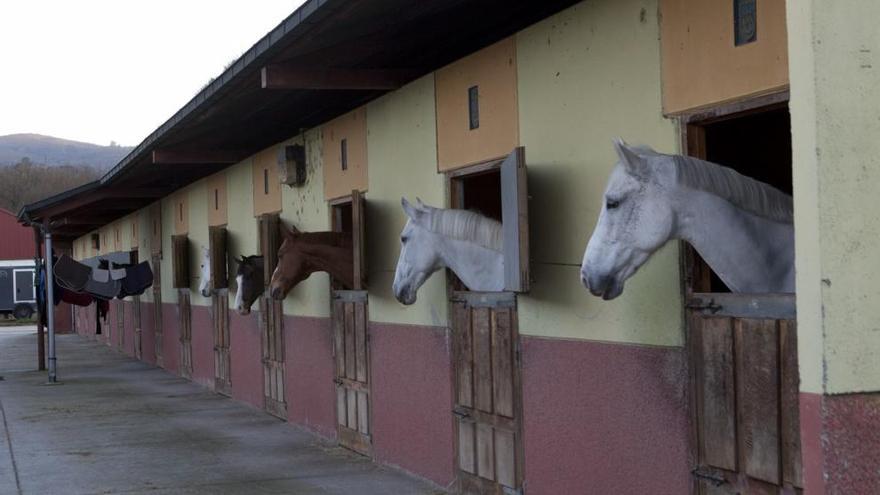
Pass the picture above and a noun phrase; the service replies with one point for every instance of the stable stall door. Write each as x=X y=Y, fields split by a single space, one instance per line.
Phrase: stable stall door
x=488 y=393
x=272 y=321
x=351 y=335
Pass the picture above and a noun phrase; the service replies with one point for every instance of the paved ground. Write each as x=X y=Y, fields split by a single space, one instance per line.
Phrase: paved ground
x=116 y=425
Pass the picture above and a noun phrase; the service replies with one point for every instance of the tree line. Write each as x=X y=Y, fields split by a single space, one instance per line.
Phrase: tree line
x=26 y=182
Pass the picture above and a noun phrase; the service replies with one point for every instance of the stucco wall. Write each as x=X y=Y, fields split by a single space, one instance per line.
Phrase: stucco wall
x=304 y=207
x=402 y=151
x=586 y=75
x=835 y=94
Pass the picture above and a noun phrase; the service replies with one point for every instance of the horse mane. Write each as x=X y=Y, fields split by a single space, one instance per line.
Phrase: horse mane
x=744 y=192
x=465 y=225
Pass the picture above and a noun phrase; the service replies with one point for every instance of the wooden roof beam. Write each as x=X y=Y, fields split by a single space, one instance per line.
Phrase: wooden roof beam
x=287 y=76
x=198 y=157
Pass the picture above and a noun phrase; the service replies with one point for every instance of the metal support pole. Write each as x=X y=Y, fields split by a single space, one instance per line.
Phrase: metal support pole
x=50 y=303
x=41 y=317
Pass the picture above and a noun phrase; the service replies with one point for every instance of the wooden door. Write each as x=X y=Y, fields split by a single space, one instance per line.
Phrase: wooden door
x=351 y=349
x=744 y=377
x=488 y=393
x=351 y=334
x=220 y=313
x=120 y=322
x=184 y=315
x=136 y=315
x=272 y=321
x=157 y=307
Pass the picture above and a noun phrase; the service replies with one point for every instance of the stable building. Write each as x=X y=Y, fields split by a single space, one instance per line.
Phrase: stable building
x=678 y=386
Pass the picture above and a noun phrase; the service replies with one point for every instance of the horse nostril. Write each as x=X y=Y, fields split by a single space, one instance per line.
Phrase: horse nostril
x=584 y=281
x=275 y=293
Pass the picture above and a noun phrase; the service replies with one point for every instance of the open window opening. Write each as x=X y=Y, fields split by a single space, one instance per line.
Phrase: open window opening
x=755 y=143
x=498 y=189
x=347 y=215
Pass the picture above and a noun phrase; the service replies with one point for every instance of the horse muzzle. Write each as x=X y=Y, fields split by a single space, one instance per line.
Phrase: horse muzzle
x=405 y=295
x=605 y=286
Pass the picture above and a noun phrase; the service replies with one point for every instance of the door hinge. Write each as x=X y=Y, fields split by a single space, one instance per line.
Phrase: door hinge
x=715 y=477
x=461 y=412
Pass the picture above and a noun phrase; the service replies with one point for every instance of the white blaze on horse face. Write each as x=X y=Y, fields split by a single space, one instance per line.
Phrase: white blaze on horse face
x=239 y=293
x=205 y=283
x=633 y=223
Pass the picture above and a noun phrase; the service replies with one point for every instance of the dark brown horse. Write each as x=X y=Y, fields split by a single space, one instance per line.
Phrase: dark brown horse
x=249 y=279
x=304 y=253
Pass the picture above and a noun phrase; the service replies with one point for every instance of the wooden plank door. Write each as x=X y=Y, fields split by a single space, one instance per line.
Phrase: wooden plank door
x=136 y=315
x=184 y=315
x=488 y=393
x=351 y=349
x=157 y=308
x=120 y=322
x=222 y=360
x=744 y=376
x=351 y=336
x=272 y=321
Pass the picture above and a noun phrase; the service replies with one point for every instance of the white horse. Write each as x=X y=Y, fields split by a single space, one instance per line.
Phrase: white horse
x=205 y=270
x=741 y=227
x=434 y=238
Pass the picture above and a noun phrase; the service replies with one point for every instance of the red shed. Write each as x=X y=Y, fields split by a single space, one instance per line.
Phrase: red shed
x=16 y=240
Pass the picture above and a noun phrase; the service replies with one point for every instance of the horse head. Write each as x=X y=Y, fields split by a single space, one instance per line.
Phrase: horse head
x=291 y=268
x=249 y=280
x=205 y=268
x=636 y=219
x=419 y=257
x=304 y=253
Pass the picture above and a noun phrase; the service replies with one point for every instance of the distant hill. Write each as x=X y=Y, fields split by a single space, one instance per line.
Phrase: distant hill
x=56 y=151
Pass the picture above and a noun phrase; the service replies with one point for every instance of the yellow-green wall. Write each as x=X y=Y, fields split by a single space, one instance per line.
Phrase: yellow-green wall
x=835 y=97
x=304 y=207
x=587 y=75
x=402 y=157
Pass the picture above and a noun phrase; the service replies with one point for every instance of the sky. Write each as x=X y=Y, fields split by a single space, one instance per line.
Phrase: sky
x=101 y=70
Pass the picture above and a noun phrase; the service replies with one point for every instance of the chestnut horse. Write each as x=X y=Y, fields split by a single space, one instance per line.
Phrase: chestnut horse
x=304 y=253
x=249 y=282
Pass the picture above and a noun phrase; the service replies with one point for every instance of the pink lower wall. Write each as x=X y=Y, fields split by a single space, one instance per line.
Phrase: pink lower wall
x=148 y=333
x=128 y=322
x=308 y=374
x=840 y=443
x=170 y=338
x=604 y=418
x=202 y=346
x=412 y=399
x=246 y=365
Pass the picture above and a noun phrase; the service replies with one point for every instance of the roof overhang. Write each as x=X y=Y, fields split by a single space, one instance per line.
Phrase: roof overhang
x=325 y=59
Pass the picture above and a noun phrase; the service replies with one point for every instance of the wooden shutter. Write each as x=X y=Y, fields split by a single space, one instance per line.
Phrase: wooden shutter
x=217 y=247
x=270 y=241
x=515 y=221
x=156 y=228
x=358 y=239
x=180 y=261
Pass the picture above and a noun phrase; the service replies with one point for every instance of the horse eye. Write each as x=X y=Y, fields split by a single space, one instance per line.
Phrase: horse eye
x=403 y=239
x=611 y=204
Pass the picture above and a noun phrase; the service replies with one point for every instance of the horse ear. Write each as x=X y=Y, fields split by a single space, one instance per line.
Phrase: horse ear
x=420 y=205
x=408 y=208
x=633 y=163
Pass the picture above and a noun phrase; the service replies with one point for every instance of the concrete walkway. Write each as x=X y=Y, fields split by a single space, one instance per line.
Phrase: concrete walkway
x=116 y=425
